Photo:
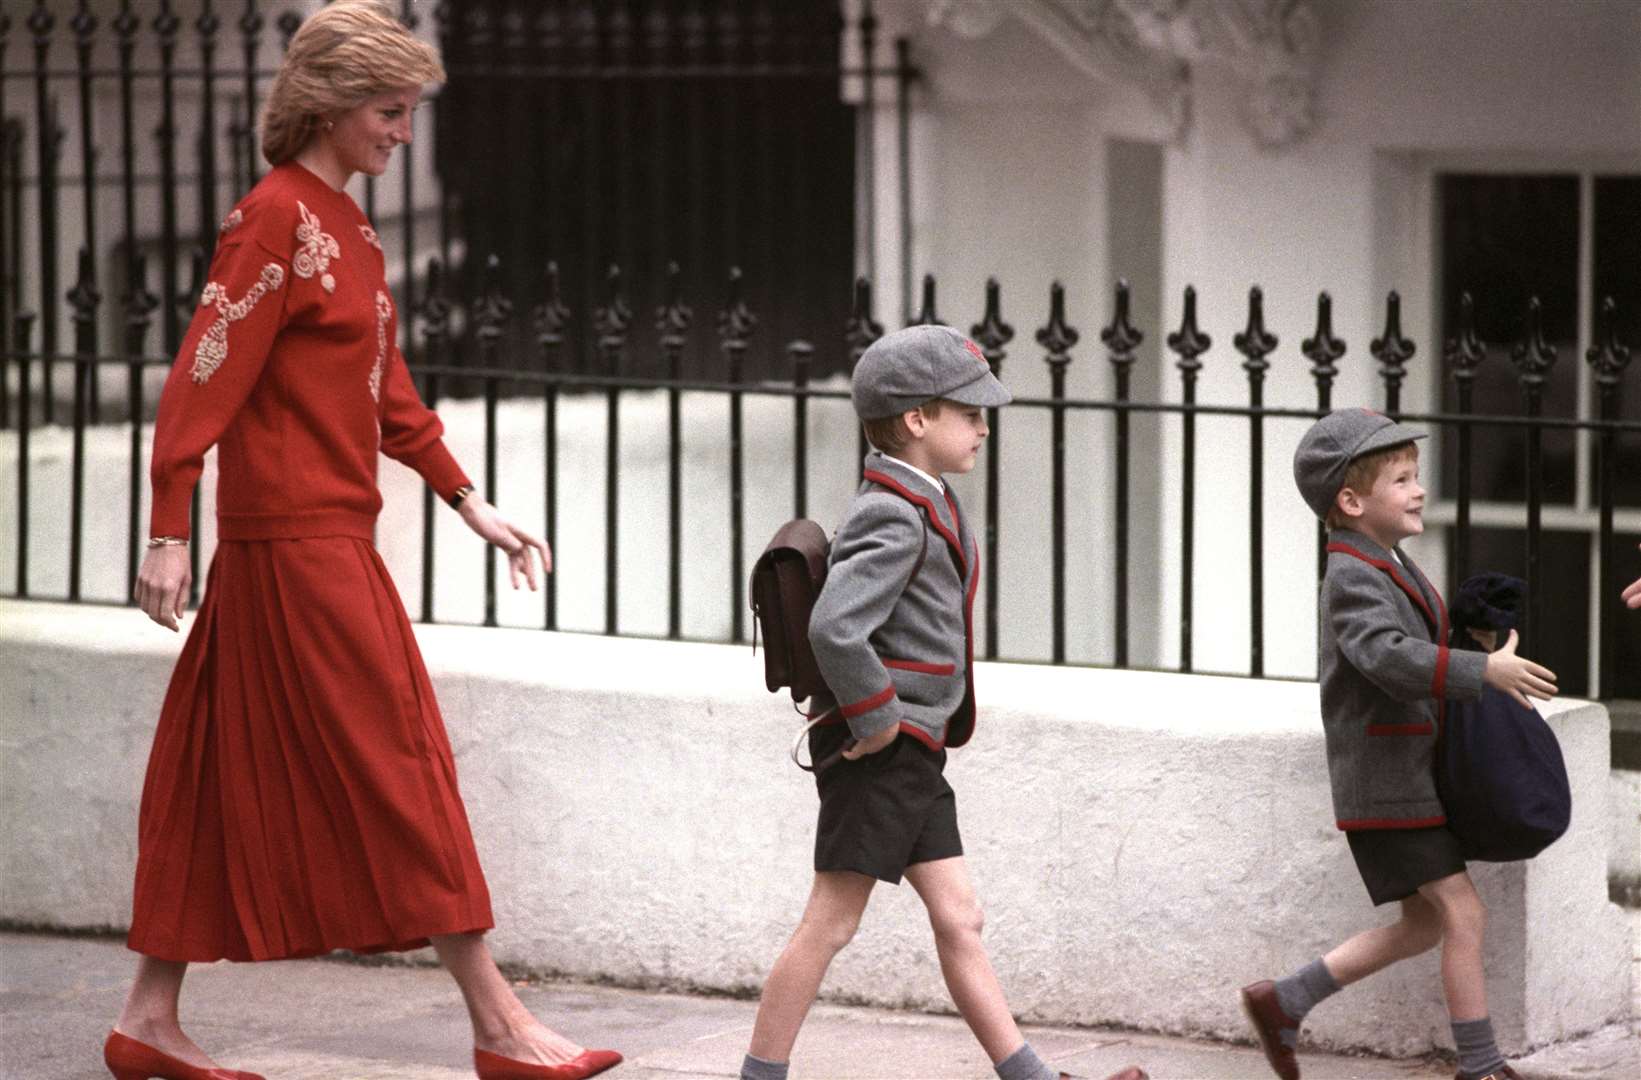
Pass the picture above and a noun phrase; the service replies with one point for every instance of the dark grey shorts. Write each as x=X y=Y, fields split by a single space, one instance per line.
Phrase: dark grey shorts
x=1395 y=862
x=884 y=812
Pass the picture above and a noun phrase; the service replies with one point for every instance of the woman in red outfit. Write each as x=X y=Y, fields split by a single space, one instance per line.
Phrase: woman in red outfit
x=301 y=794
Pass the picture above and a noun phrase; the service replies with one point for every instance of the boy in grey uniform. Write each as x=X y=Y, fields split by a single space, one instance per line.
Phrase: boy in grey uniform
x=892 y=636
x=1386 y=670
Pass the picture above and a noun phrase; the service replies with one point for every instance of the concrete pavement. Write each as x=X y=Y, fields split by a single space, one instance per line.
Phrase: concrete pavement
x=334 y=1020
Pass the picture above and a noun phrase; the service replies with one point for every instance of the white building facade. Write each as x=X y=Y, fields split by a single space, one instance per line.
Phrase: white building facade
x=1298 y=146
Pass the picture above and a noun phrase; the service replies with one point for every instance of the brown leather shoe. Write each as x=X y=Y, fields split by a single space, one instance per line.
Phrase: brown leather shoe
x=1503 y=1072
x=1133 y=1072
x=1266 y=1018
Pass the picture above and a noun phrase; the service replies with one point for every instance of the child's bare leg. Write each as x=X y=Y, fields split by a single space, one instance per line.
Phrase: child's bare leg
x=1464 y=924
x=829 y=921
x=1277 y=1009
x=955 y=914
x=1464 y=979
x=1418 y=930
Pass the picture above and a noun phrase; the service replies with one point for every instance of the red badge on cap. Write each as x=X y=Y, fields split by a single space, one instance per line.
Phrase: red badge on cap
x=975 y=349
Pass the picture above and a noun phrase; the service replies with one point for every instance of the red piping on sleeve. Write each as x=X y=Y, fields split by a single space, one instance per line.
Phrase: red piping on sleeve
x=921 y=736
x=921 y=667
x=882 y=697
x=1400 y=729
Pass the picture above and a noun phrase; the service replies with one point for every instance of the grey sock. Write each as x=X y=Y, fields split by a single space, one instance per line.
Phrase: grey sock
x=1024 y=1064
x=756 y=1068
x=1478 y=1052
x=1300 y=992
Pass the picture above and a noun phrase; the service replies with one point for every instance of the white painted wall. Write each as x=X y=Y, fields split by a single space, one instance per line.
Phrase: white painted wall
x=1022 y=573
x=1624 y=813
x=1143 y=843
x=1010 y=180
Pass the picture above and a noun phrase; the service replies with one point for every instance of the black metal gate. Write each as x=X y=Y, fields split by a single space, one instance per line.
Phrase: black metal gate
x=644 y=133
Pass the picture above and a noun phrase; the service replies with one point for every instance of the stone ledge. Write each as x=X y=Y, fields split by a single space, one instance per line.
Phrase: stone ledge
x=1143 y=842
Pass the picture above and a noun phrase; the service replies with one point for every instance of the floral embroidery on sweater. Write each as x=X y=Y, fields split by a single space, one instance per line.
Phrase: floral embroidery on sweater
x=370 y=237
x=213 y=344
x=232 y=221
x=384 y=312
x=317 y=249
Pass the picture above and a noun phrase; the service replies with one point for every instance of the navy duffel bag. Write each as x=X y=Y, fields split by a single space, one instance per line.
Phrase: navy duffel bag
x=1501 y=778
x=1499 y=770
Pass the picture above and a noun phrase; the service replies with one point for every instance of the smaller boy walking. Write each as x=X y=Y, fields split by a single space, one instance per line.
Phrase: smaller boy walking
x=1386 y=670
x=892 y=636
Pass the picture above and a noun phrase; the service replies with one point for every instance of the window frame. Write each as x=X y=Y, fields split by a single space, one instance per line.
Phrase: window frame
x=1407 y=249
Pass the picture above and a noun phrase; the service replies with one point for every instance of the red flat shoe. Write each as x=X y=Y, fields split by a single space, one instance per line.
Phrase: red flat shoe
x=588 y=1063
x=129 y=1059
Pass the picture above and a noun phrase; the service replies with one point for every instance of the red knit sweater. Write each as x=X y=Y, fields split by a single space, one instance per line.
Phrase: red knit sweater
x=290 y=368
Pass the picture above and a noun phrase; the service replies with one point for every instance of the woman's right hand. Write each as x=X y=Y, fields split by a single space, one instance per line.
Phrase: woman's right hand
x=162 y=584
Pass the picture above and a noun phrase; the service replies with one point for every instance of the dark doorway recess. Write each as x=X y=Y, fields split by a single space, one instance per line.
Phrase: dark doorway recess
x=636 y=133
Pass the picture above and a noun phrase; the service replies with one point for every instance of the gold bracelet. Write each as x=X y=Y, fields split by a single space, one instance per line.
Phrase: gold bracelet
x=459 y=494
x=167 y=541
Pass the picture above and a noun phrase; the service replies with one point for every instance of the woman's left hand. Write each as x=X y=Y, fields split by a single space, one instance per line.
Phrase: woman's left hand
x=489 y=523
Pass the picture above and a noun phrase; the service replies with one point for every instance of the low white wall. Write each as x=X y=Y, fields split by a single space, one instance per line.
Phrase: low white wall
x=1624 y=817
x=1143 y=843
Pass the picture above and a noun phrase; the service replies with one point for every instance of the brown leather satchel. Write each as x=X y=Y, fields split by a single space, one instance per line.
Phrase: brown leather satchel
x=786 y=579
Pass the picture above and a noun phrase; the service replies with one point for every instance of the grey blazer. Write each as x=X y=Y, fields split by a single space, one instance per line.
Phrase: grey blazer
x=1386 y=672
x=894 y=649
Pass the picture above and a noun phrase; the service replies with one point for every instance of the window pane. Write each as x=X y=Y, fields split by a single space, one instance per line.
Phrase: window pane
x=1618 y=275
x=1505 y=239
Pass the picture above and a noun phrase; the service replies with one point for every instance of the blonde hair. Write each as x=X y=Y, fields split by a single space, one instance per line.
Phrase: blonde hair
x=344 y=54
x=1363 y=472
x=890 y=434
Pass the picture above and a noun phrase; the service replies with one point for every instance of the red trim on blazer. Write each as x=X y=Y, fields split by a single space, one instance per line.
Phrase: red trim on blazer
x=934 y=519
x=866 y=705
x=832 y=719
x=1400 y=729
x=961 y=556
x=968 y=632
x=1437 y=622
x=921 y=736
x=1391 y=823
x=921 y=667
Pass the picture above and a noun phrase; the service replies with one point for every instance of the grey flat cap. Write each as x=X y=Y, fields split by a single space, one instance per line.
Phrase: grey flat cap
x=1332 y=443
x=902 y=370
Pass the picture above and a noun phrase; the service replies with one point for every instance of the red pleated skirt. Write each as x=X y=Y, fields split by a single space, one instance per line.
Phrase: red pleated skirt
x=301 y=794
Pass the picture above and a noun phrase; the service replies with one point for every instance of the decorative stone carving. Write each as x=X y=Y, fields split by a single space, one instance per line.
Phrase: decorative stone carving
x=1154 y=44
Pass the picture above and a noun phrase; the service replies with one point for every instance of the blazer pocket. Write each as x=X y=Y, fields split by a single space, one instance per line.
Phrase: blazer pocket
x=921 y=667
x=1422 y=728
x=1400 y=771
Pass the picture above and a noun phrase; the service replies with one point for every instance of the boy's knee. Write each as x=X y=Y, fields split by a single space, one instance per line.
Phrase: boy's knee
x=965 y=919
x=830 y=932
x=1464 y=916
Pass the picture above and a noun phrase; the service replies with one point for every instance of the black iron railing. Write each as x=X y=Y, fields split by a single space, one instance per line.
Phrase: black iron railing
x=487 y=314
x=186 y=82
